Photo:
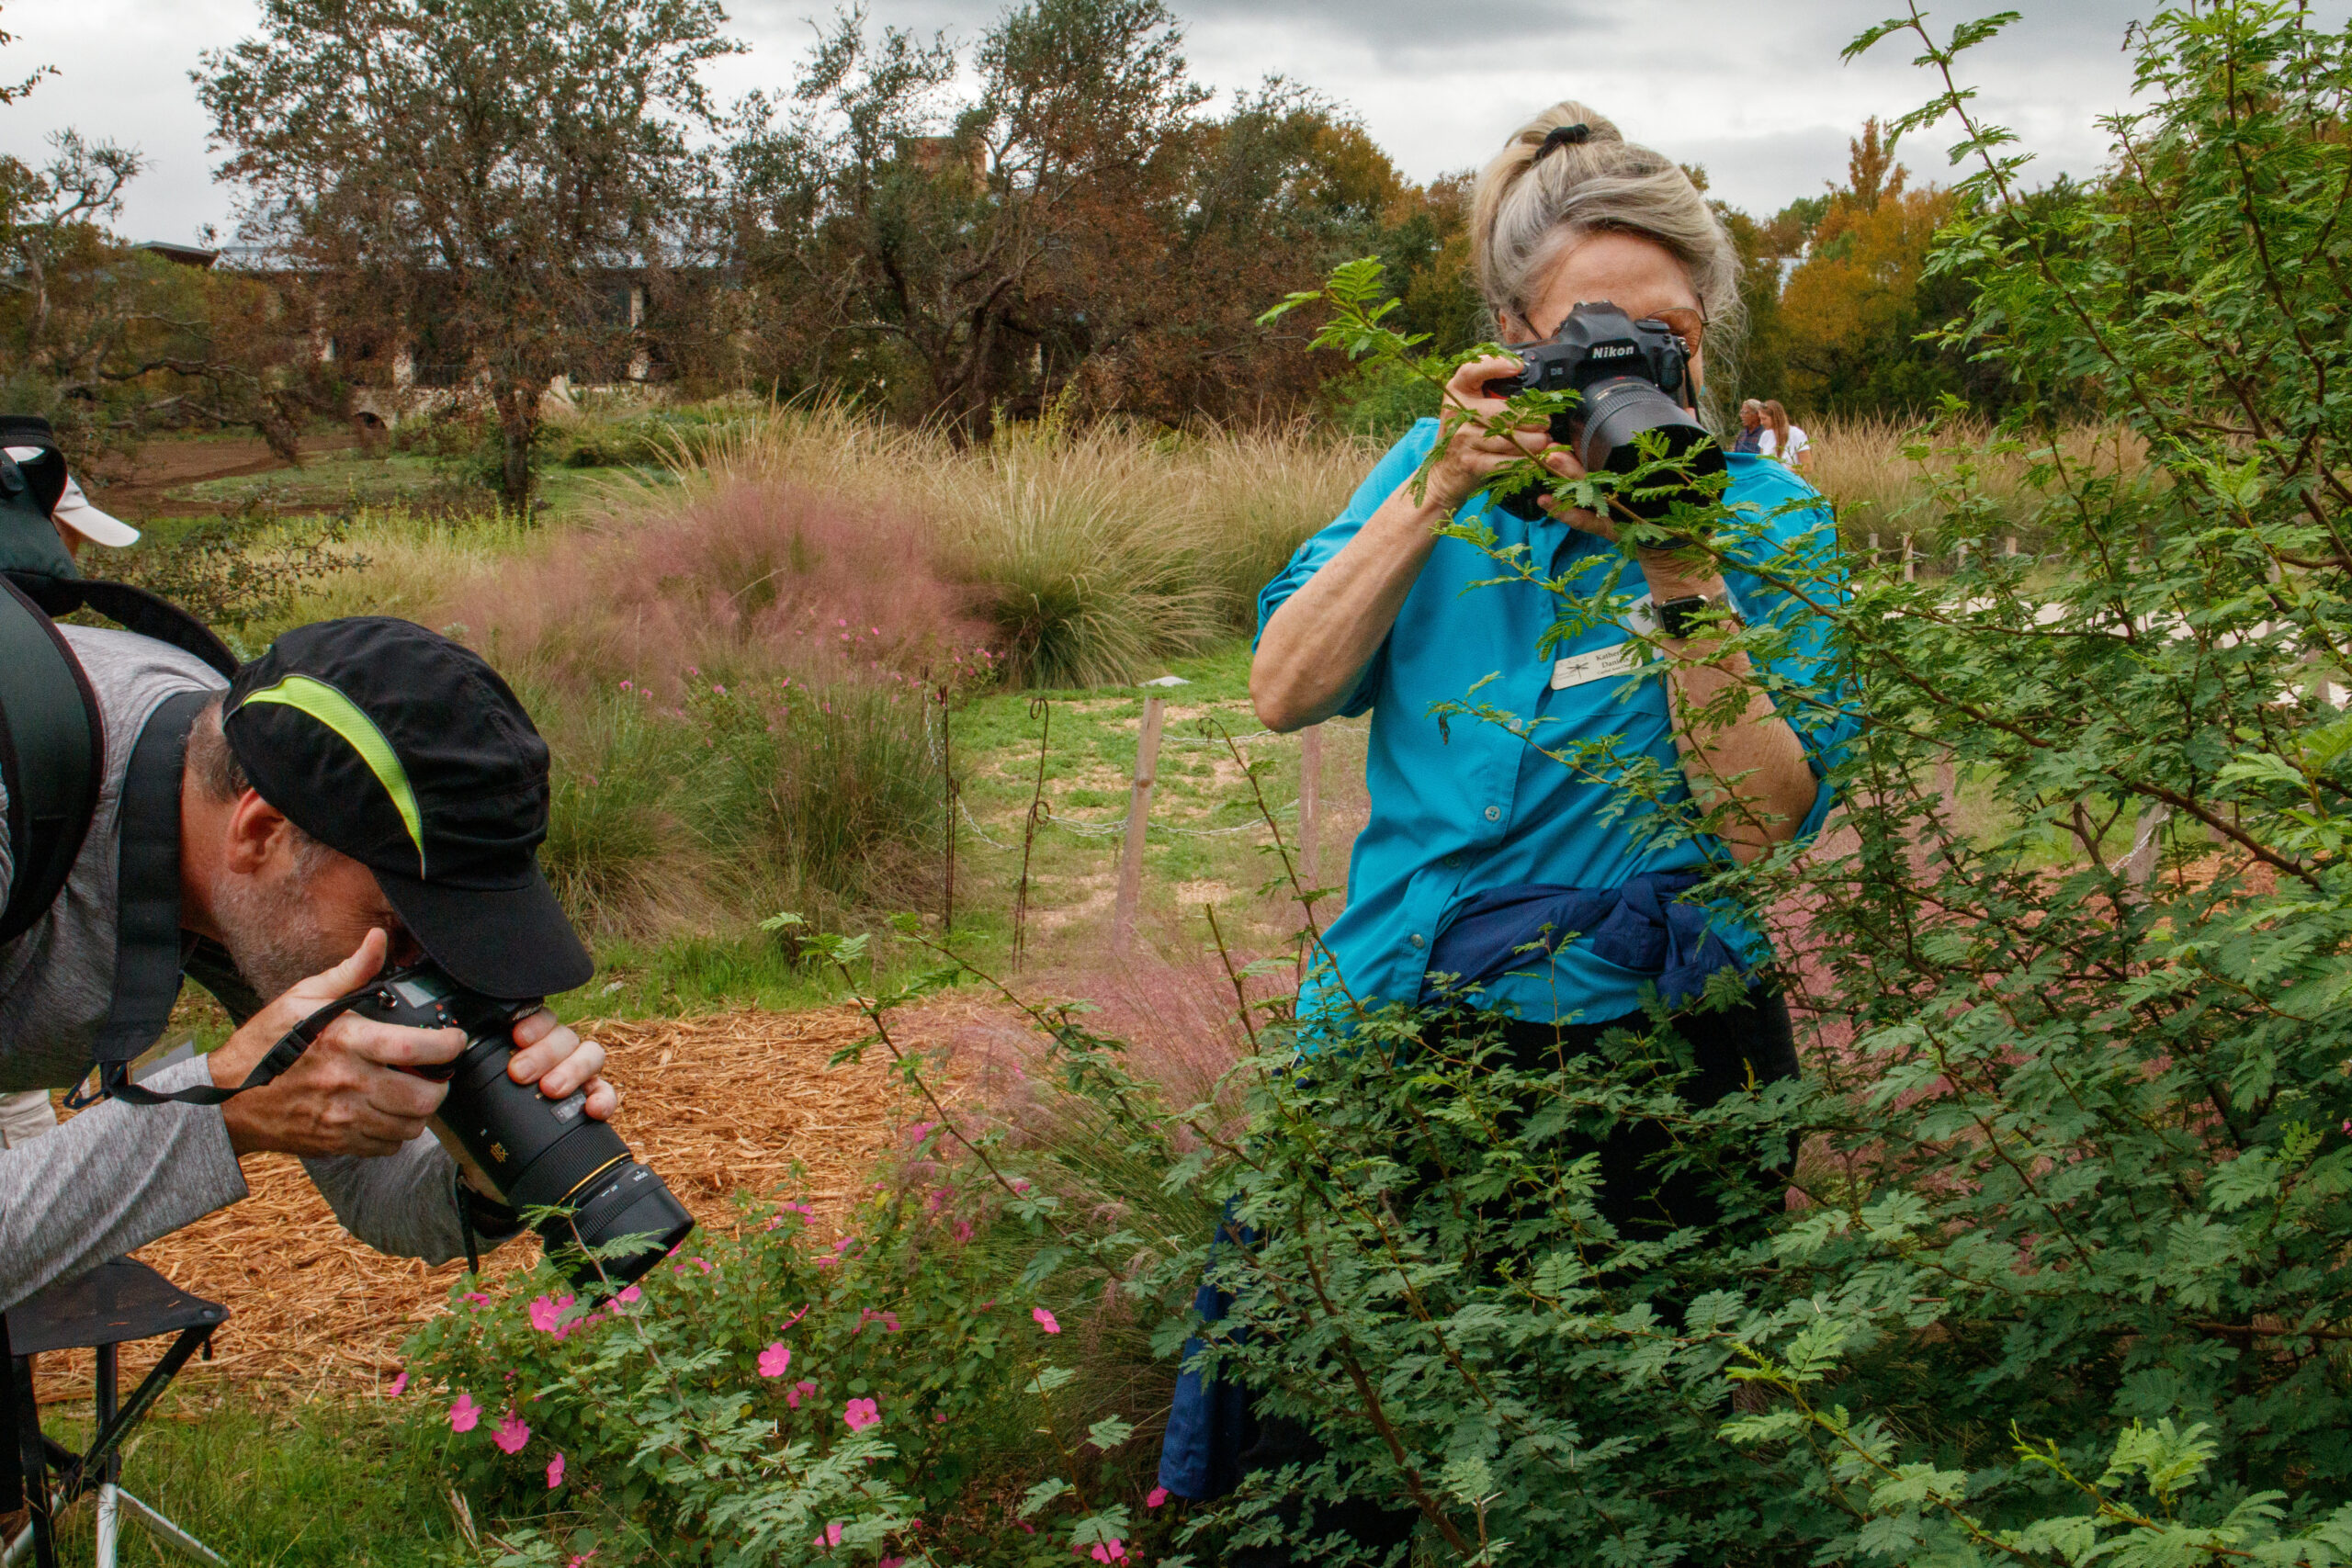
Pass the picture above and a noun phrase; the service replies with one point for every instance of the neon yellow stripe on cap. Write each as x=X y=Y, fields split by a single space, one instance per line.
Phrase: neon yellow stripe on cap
x=306 y=693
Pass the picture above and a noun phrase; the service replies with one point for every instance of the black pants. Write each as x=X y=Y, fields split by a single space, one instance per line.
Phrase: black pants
x=1727 y=1048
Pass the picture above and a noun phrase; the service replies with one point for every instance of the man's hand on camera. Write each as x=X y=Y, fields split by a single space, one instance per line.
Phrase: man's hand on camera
x=346 y=1095
x=560 y=1062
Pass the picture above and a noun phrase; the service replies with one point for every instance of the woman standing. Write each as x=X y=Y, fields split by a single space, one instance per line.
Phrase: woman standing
x=1479 y=845
x=1780 y=439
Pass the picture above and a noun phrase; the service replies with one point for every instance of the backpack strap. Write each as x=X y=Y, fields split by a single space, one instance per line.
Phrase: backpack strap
x=134 y=609
x=52 y=757
x=149 y=948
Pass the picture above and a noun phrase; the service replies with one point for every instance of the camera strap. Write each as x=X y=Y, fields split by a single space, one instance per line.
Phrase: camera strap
x=151 y=950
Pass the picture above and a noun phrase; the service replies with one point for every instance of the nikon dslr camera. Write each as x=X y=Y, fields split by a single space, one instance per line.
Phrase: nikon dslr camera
x=1633 y=376
x=530 y=1151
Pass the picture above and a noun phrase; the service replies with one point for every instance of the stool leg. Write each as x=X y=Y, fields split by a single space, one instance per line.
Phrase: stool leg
x=165 y=1530
x=39 y=1534
x=110 y=1514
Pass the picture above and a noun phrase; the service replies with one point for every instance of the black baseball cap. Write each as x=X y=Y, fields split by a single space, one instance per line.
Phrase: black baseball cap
x=405 y=751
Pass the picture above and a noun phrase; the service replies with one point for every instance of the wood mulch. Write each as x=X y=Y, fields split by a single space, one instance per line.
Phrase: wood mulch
x=738 y=1101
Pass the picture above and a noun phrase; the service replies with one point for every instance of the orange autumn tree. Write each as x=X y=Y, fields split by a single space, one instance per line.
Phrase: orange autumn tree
x=1851 y=314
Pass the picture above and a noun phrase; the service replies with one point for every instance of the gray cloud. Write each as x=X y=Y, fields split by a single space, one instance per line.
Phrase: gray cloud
x=1753 y=89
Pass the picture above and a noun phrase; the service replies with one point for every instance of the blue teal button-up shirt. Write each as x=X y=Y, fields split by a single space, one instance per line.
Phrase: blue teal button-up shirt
x=1470 y=805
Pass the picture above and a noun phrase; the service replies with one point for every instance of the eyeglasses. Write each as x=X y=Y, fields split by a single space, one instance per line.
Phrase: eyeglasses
x=1683 y=321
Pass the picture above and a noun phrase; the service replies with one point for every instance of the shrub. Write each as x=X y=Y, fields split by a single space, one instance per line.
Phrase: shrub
x=1090 y=558
x=764 y=1397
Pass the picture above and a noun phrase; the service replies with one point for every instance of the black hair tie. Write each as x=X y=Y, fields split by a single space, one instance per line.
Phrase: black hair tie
x=1560 y=136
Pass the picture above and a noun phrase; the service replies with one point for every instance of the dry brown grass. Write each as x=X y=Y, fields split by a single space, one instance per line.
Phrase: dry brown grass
x=1861 y=466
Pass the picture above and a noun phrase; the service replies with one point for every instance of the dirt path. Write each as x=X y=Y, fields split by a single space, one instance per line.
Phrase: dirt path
x=165 y=466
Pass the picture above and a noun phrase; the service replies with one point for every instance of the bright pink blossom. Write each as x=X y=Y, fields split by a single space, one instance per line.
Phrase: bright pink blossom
x=397 y=1386
x=547 y=1313
x=861 y=1414
x=629 y=1296
x=464 y=1414
x=476 y=1298
x=1154 y=1497
x=1044 y=1320
x=511 y=1433
x=555 y=1472
x=831 y=1536
x=804 y=1389
x=774 y=1359
x=1111 y=1550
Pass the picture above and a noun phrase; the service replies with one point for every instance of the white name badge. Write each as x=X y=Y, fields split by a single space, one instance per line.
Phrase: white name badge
x=1611 y=663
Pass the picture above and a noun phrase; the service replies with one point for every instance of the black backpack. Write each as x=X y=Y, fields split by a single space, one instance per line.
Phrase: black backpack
x=52 y=739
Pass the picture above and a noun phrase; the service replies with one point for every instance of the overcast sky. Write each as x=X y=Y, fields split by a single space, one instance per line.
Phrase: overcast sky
x=1752 y=90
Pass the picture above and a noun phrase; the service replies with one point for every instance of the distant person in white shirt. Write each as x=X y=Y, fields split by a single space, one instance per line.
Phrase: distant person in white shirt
x=1780 y=439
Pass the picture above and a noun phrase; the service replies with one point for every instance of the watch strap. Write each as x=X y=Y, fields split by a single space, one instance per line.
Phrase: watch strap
x=1678 y=618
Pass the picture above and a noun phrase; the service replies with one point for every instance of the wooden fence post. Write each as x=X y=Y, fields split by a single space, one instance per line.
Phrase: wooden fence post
x=1910 y=570
x=1123 y=913
x=1873 y=549
x=1310 y=801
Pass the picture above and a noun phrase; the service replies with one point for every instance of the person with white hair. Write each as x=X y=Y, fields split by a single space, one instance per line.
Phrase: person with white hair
x=1488 y=869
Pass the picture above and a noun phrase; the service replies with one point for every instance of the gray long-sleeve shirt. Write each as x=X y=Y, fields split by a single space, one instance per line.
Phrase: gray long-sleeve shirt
x=116 y=1175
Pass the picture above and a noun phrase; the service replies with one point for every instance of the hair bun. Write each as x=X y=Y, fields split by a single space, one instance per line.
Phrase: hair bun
x=1560 y=136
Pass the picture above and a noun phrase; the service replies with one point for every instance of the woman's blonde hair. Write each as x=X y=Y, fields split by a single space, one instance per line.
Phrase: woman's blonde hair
x=1778 y=418
x=1531 y=207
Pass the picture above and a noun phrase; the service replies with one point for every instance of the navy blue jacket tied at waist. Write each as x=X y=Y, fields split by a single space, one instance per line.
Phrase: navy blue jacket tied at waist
x=1645 y=926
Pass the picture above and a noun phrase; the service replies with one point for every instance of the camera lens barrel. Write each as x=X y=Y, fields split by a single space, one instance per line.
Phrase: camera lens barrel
x=538 y=1152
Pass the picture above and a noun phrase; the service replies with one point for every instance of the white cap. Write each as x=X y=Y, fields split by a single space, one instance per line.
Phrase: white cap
x=74 y=510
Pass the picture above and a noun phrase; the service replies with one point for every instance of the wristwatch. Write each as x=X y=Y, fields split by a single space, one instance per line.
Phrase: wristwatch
x=1678 y=617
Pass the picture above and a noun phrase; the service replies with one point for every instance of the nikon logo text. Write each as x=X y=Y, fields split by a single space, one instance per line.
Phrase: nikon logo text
x=1613 y=351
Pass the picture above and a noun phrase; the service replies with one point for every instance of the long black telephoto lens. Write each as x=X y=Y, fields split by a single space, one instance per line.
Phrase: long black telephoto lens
x=532 y=1151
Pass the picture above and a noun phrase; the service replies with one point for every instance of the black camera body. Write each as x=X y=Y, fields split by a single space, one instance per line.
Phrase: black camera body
x=1632 y=378
x=533 y=1152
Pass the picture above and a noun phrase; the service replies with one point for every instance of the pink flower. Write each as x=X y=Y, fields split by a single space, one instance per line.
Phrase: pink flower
x=464 y=1414
x=831 y=1536
x=963 y=1230
x=476 y=1298
x=555 y=1472
x=397 y=1386
x=1154 y=1497
x=629 y=1296
x=804 y=1389
x=941 y=1418
x=861 y=1414
x=774 y=1359
x=547 y=1314
x=692 y=671
x=629 y=686
x=580 y=1559
x=1111 y=1550
x=1044 y=1320
x=512 y=1434
x=718 y=691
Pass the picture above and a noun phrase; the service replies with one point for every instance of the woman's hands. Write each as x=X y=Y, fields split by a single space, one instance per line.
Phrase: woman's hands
x=1472 y=457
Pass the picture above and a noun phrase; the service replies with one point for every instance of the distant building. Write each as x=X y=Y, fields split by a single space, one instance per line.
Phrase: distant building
x=185 y=255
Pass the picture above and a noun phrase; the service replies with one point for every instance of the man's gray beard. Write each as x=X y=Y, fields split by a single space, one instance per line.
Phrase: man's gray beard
x=270 y=931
